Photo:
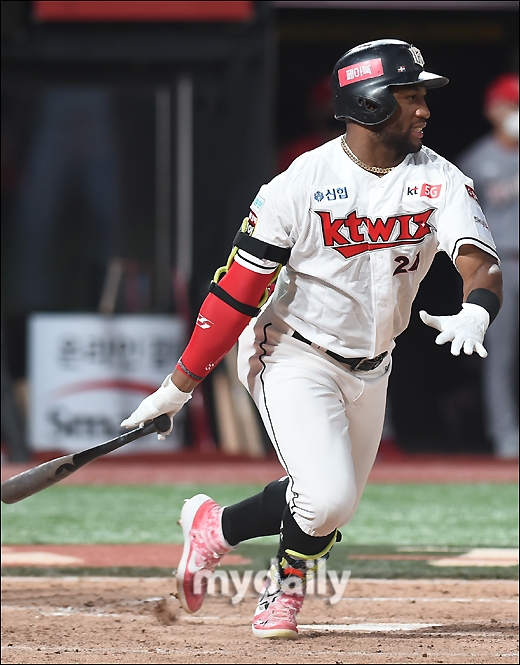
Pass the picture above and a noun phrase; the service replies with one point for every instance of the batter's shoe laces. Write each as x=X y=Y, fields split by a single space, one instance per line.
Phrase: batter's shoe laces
x=204 y=546
x=281 y=599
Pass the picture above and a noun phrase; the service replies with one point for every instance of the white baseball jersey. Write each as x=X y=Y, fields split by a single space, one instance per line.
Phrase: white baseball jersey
x=360 y=244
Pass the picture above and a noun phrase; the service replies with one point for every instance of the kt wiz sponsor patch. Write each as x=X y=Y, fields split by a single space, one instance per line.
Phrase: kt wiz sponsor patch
x=422 y=190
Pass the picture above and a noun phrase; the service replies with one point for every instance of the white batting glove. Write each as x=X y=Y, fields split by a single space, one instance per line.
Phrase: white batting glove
x=167 y=399
x=464 y=330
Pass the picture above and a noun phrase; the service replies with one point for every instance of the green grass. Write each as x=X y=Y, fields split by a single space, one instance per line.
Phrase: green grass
x=462 y=515
x=106 y=514
x=454 y=515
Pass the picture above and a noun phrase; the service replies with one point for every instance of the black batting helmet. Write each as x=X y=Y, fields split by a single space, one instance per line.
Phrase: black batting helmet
x=362 y=78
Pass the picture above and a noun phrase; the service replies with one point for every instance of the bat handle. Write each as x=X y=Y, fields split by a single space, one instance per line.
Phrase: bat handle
x=160 y=425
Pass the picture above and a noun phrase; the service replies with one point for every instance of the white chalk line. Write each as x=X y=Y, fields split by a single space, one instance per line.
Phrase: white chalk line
x=67 y=611
x=162 y=580
x=232 y=621
x=410 y=599
x=366 y=627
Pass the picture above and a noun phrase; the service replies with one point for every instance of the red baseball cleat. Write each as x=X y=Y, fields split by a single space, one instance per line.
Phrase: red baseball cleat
x=204 y=546
x=279 y=604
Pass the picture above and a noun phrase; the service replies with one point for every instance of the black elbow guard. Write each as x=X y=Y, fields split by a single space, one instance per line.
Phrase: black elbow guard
x=261 y=249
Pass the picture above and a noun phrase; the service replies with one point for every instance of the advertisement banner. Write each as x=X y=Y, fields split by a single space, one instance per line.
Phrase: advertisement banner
x=145 y=10
x=87 y=372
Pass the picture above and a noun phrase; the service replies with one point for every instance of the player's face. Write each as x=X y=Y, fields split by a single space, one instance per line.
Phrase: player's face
x=403 y=131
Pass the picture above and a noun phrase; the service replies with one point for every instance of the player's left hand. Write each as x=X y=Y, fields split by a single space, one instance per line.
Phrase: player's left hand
x=464 y=330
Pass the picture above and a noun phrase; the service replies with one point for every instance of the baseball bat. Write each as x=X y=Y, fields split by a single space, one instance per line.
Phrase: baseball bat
x=35 y=480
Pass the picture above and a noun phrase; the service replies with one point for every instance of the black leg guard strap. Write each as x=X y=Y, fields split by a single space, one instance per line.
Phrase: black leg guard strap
x=295 y=540
x=260 y=515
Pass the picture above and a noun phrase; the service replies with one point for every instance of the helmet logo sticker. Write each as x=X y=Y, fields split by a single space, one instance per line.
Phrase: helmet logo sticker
x=417 y=56
x=361 y=71
x=401 y=69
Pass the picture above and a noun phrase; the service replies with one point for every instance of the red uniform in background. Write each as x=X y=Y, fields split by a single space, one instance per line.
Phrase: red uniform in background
x=320 y=112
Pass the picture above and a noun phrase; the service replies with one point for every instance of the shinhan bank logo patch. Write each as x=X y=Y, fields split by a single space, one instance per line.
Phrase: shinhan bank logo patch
x=331 y=194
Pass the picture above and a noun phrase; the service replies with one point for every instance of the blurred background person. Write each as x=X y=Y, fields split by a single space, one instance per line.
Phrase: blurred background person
x=72 y=158
x=492 y=163
x=324 y=126
x=61 y=206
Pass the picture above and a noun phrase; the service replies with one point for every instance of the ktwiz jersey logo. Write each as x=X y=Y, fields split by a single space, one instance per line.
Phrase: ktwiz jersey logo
x=353 y=235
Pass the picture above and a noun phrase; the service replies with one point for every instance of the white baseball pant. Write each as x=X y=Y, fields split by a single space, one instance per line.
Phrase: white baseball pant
x=324 y=420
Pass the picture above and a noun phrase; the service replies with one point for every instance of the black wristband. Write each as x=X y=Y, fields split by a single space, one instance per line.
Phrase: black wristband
x=486 y=299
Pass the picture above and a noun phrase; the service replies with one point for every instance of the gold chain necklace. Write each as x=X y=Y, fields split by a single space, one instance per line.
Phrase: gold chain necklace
x=377 y=170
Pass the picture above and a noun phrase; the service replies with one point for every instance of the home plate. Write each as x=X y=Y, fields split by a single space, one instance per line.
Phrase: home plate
x=366 y=627
x=482 y=556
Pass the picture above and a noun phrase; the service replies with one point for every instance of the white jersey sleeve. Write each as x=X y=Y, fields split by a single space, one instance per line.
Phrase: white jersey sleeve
x=462 y=220
x=280 y=207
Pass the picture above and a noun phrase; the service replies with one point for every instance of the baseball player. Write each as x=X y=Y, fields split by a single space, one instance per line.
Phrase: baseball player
x=347 y=232
x=492 y=164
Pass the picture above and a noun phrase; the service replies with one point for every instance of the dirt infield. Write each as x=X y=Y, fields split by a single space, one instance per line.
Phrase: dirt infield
x=124 y=620
x=156 y=555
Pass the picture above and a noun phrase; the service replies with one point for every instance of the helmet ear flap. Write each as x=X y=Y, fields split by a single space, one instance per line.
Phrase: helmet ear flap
x=387 y=105
x=367 y=104
x=376 y=108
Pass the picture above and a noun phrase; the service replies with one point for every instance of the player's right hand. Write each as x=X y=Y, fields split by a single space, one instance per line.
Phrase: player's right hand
x=464 y=330
x=167 y=399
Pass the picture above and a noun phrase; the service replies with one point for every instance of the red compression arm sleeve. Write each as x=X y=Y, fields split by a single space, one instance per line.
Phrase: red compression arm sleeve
x=218 y=324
